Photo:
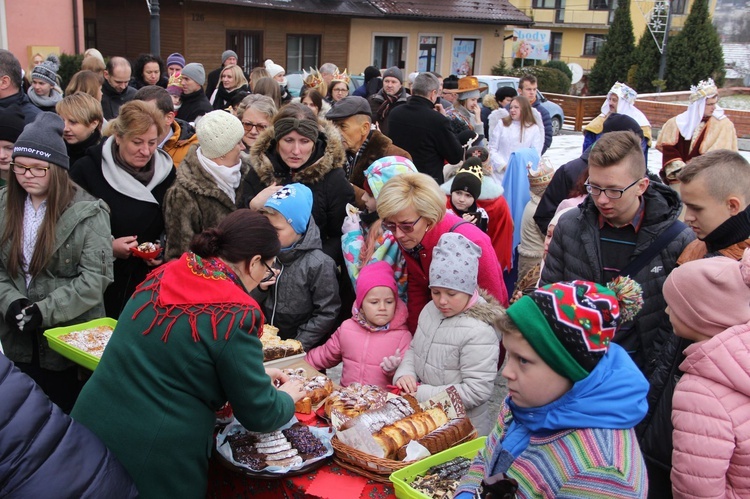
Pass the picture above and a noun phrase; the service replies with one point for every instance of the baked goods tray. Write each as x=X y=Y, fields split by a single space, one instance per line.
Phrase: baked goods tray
x=80 y=357
x=284 y=361
x=223 y=453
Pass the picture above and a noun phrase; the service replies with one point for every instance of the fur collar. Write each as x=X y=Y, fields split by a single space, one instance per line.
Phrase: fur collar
x=486 y=309
x=194 y=178
x=333 y=157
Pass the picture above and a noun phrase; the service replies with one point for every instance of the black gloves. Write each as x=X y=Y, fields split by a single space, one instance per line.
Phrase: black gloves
x=15 y=313
x=23 y=316
x=32 y=318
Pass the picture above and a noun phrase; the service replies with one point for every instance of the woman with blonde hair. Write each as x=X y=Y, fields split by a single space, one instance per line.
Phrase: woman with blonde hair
x=87 y=82
x=256 y=112
x=269 y=87
x=55 y=258
x=412 y=207
x=83 y=119
x=232 y=82
x=131 y=174
x=520 y=130
x=255 y=75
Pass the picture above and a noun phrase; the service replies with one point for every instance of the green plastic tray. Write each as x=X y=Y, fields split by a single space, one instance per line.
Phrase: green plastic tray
x=402 y=478
x=80 y=357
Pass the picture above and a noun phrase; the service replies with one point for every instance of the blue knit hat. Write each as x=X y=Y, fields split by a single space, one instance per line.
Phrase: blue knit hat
x=294 y=202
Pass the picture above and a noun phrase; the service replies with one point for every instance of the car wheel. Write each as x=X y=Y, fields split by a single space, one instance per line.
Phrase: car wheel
x=556 y=125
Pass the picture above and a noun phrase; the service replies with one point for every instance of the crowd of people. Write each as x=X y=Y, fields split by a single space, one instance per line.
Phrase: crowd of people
x=416 y=235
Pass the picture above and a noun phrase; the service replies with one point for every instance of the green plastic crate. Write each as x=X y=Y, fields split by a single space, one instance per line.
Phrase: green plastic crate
x=80 y=357
x=402 y=478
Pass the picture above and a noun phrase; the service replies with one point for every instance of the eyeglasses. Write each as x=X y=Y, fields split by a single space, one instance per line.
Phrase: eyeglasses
x=611 y=193
x=249 y=125
x=340 y=90
x=270 y=274
x=36 y=171
x=406 y=227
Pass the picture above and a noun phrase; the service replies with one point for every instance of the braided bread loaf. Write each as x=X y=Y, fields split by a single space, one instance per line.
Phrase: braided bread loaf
x=394 y=436
x=444 y=437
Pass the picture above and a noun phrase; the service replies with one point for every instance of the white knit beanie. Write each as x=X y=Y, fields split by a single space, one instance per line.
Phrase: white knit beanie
x=455 y=263
x=273 y=68
x=218 y=132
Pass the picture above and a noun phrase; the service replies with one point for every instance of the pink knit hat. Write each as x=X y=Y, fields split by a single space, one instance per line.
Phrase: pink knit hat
x=374 y=275
x=711 y=294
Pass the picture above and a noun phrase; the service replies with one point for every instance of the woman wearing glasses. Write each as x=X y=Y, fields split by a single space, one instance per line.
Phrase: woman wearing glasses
x=131 y=174
x=256 y=113
x=412 y=207
x=187 y=343
x=207 y=184
x=55 y=257
x=299 y=148
x=339 y=88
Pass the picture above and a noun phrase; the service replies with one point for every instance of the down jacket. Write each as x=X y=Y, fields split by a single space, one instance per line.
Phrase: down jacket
x=362 y=350
x=44 y=453
x=304 y=302
x=574 y=253
x=460 y=351
x=194 y=203
x=325 y=178
x=711 y=418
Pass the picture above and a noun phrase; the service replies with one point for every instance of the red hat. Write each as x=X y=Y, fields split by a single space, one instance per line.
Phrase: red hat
x=374 y=275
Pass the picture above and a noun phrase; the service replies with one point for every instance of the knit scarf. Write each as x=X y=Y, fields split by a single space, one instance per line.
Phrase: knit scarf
x=142 y=175
x=734 y=230
x=198 y=287
x=351 y=160
x=44 y=100
x=362 y=321
x=227 y=177
x=385 y=107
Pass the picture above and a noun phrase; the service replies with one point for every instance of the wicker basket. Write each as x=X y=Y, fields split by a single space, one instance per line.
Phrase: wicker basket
x=372 y=467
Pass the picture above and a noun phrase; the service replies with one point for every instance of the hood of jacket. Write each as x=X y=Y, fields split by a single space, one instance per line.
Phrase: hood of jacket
x=486 y=309
x=193 y=177
x=183 y=130
x=724 y=359
x=308 y=242
x=612 y=396
x=489 y=101
x=333 y=157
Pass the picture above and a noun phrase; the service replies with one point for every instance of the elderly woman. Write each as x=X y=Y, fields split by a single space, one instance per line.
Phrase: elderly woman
x=188 y=342
x=233 y=81
x=256 y=113
x=412 y=207
x=298 y=148
x=131 y=174
x=83 y=119
x=208 y=182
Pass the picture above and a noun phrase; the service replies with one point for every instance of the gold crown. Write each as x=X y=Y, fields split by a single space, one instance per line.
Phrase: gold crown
x=542 y=175
x=341 y=77
x=313 y=78
x=475 y=170
x=705 y=88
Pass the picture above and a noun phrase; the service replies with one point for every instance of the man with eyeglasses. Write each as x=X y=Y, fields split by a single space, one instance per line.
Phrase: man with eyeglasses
x=115 y=89
x=626 y=216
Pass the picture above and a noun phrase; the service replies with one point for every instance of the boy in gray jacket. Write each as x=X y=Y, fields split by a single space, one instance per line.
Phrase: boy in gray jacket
x=302 y=299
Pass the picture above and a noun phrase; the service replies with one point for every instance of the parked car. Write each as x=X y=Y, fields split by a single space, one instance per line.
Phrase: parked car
x=294 y=83
x=494 y=82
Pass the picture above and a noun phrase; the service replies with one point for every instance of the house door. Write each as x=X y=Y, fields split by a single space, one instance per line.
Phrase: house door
x=249 y=47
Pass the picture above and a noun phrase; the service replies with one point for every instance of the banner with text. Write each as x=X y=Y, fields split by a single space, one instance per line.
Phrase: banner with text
x=531 y=43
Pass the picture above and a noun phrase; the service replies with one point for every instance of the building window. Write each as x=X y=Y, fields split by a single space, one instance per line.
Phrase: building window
x=248 y=45
x=593 y=43
x=302 y=52
x=463 y=55
x=678 y=7
x=388 y=51
x=555 y=46
x=600 y=4
x=429 y=48
x=544 y=4
x=90 y=33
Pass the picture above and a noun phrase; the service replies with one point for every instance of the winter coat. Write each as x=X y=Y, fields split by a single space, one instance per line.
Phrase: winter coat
x=362 y=350
x=69 y=290
x=378 y=146
x=112 y=99
x=178 y=145
x=489 y=278
x=138 y=82
x=222 y=99
x=44 y=453
x=547 y=121
x=325 y=178
x=711 y=418
x=170 y=365
x=77 y=151
x=193 y=203
x=580 y=445
x=304 y=302
x=129 y=216
x=21 y=100
x=194 y=106
x=575 y=253
x=565 y=178
x=376 y=100
x=461 y=351
x=418 y=128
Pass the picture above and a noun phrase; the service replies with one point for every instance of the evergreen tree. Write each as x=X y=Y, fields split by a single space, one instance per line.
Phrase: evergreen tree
x=646 y=59
x=614 y=58
x=695 y=53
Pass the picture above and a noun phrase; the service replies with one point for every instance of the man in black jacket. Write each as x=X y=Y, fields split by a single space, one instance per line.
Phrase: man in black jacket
x=115 y=89
x=424 y=131
x=194 y=102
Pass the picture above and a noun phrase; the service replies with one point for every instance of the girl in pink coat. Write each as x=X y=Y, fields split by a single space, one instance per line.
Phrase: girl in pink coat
x=711 y=404
x=371 y=343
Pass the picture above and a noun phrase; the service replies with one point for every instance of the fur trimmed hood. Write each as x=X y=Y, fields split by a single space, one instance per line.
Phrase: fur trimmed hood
x=333 y=157
x=486 y=309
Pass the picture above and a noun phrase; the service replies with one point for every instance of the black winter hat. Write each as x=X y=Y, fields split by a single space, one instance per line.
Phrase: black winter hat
x=619 y=123
x=469 y=178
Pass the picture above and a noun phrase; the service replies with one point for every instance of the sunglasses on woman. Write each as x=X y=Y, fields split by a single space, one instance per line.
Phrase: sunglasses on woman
x=405 y=227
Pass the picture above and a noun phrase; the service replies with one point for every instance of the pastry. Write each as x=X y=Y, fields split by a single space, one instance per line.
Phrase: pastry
x=302 y=439
x=444 y=437
x=396 y=435
x=287 y=448
x=442 y=480
x=394 y=409
x=93 y=340
x=317 y=389
x=276 y=348
x=355 y=399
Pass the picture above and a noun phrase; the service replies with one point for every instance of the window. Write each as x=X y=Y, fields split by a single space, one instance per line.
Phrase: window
x=90 y=33
x=462 y=56
x=544 y=4
x=593 y=43
x=387 y=52
x=599 y=4
x=248 y=45
x=678 y=7
x=429 y=48
x=555 y=46
x=302 y=52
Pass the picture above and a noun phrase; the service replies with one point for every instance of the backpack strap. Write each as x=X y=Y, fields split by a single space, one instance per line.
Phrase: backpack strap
x=654 y=248
x=457 y=225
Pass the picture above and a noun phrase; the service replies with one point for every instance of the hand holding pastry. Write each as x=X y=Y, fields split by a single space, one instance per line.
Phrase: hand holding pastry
x=295 y=388
x=278 y=377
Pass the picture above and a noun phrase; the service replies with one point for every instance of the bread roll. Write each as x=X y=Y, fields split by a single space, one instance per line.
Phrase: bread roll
x=394 y=436
x=444 y=437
